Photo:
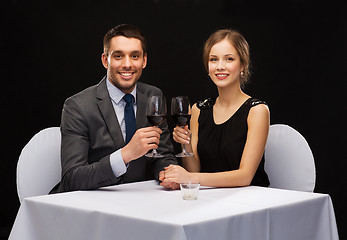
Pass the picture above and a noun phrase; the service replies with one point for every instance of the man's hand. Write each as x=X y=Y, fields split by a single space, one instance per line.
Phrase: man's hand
x=142 y=141
x=167 y=184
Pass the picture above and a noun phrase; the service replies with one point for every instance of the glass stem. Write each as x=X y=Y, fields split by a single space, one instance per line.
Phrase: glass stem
x=184 y=148
x=183 y=145
x=155 y=150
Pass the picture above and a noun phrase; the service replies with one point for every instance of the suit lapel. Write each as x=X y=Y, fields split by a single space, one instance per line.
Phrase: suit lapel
x=108 y=113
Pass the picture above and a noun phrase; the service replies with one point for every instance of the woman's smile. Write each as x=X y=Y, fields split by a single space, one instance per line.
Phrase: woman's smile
x=222 y=76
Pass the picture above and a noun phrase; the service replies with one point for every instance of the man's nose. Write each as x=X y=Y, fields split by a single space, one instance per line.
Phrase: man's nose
x=126 y=62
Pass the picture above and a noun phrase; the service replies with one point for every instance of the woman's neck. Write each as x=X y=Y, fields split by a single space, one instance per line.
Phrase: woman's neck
x=230 y=96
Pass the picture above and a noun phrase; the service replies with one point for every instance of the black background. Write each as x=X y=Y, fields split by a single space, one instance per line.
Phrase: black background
x=52 y=49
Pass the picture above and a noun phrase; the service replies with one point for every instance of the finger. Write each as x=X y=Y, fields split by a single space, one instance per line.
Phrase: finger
x=169 y=185
x=153 y=140
x=152 y=146
x=170 y=174
x=176 y=138
x=149 y=135
x=170 y=180
x=156 y=129
x=183 y=135
x=172 y=186
x=181 y=130
x=161 y=175
x=169 y=167
x=151 y=129
x=179 y=139
x=153 y=133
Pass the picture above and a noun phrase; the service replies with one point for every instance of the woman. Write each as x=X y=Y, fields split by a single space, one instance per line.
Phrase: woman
x=228 y=134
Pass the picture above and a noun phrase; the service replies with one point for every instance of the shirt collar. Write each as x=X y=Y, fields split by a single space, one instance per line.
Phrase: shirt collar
x=116 y=94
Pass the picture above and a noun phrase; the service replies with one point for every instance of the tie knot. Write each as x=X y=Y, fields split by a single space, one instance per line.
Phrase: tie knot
x=128 y=98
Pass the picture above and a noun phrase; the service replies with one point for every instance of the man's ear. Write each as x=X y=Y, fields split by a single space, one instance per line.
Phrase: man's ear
x=104 y=60
x=144 y=61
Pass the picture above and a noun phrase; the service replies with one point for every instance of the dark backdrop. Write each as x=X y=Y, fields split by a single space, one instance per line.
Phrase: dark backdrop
x=51 y=50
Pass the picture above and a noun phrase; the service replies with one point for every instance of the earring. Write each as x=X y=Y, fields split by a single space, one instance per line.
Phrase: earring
x=242 y=74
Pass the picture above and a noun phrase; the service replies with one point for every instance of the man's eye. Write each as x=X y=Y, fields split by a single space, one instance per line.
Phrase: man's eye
x=117 y=56
x=136 y=56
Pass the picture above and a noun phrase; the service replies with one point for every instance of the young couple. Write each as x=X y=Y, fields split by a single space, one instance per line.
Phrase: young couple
x=227 y=134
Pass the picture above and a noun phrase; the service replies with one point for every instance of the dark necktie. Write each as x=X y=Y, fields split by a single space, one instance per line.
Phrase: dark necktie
x=129 y=117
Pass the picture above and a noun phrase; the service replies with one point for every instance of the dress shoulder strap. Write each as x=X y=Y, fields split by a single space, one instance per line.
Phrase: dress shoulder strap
x=206 y=103
x=209 y=102
x=251 y=102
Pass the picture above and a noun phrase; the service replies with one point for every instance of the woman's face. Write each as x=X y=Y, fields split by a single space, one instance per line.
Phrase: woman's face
x=224 y=64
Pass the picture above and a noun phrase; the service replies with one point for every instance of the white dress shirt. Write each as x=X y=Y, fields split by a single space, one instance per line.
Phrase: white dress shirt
x=116 y=159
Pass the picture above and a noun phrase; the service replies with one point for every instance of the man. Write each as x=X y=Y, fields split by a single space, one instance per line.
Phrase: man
x=97 y=150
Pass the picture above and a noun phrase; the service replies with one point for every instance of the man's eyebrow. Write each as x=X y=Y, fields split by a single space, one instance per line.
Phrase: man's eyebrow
x=136 y=52
x=116 y=51
x=121 y=52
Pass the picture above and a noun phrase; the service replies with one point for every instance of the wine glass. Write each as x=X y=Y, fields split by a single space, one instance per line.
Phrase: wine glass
x=156 y=114
x=180 y=112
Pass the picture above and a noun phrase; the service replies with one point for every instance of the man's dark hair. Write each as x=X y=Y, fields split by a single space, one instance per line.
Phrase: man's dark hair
x=125 y=30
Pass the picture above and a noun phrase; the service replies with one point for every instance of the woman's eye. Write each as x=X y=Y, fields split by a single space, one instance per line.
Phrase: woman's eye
x=213 y=59
x=230 y=59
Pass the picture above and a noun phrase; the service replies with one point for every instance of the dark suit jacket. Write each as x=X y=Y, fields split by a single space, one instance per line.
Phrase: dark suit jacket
x=91 y=132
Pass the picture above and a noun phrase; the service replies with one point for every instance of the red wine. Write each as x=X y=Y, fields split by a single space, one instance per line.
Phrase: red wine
x=156 y=120
x=181 y=119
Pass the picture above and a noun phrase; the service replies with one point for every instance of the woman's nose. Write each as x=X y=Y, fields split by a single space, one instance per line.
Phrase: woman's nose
x=220 y=65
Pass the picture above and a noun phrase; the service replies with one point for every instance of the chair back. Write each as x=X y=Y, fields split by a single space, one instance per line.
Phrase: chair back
x=289 y=161
x=39 y=165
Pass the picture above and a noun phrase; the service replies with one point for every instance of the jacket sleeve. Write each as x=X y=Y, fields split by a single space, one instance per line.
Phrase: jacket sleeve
x=165 y=147
x=77 y=172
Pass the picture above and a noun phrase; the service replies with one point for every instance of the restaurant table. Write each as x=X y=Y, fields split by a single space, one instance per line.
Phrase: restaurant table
x=145 y=210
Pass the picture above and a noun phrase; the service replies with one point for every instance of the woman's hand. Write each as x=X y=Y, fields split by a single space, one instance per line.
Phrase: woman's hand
x=167 y=184
x=182 y=135
x=177 y=174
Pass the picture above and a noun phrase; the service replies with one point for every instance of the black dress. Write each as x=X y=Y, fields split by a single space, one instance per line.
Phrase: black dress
x=220 y=146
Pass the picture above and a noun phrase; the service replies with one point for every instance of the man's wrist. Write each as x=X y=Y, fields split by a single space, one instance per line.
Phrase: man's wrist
x=125 y=155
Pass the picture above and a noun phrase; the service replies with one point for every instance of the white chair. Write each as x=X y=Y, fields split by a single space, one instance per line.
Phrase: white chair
x=289 y=161
x=39 y=167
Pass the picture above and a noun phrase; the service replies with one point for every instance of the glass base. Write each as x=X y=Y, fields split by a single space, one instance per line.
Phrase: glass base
x=154 y=155
x=184 y=154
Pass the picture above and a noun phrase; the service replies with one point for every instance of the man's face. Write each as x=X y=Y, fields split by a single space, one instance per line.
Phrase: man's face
x=124 y=62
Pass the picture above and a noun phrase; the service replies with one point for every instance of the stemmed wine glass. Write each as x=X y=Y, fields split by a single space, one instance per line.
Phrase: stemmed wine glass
x=180 y=112
x=156 y=114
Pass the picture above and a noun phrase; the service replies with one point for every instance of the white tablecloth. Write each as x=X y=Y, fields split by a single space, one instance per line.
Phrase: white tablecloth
x=145 y=210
